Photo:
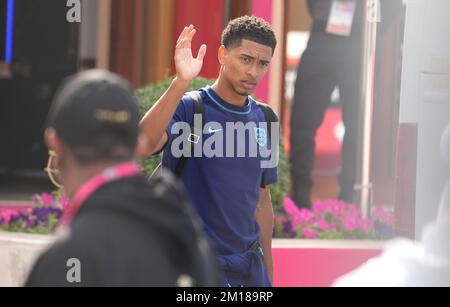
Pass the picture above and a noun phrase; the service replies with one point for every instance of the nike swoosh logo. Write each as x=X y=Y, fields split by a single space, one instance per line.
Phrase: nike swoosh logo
x=211 y=130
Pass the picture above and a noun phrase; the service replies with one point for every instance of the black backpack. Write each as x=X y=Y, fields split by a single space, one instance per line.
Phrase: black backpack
x=269 y=116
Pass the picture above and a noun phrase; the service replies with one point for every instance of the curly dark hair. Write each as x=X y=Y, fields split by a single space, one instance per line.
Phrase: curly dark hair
x=252 y=28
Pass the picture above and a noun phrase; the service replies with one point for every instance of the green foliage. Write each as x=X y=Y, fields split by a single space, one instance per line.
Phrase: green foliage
x=279 y=190
x=148 y=96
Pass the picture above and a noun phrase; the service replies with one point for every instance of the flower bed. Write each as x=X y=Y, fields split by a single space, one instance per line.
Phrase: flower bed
x=41 y=218
x=333 y=219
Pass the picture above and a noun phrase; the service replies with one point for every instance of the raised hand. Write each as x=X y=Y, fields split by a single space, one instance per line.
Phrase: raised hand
x=187 y=67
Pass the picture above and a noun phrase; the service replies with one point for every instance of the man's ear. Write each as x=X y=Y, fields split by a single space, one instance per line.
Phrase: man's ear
x=54 y=144
x=222 y=54
x=52 y=141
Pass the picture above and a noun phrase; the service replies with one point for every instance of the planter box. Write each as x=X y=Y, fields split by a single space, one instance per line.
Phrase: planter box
x=318 y=263
x=18 y=252
x=296 y=262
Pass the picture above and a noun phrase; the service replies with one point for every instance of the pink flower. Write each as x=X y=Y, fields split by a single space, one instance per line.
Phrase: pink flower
x=378 y=212
x=299 y=216
x=334 y=207
x=353 y=210
x=351 y=222
x=47 y=199
x=65 y=202
x=306 y=216
x=338 y=209
x=388 y=218
x=8 y=214
x=281 y=219
x=309 y=234
x=323 y=225
x=336 y=216
x=384 y=216
x=319 y=207
x=290 y=207
x=292 y=210
x=366 y=226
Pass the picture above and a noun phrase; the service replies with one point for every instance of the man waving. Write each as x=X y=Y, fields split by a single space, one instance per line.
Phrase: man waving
x=230 y=193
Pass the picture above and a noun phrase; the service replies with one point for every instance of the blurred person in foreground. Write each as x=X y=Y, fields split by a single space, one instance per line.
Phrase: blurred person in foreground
x=120 y=229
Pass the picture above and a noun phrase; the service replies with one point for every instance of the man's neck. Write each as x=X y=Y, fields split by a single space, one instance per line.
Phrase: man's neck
x=226 y=92
x=82 y=174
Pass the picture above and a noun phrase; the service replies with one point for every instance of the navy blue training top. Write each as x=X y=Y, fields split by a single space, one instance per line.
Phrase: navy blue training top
x=224 y=190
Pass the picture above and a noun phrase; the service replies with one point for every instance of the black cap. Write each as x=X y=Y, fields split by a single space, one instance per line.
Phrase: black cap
x=95 y=109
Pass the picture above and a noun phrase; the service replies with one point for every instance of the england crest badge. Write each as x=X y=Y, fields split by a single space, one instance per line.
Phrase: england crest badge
x=261 y=136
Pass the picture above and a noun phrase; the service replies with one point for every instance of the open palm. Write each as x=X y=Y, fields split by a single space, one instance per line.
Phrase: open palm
x=187 y=67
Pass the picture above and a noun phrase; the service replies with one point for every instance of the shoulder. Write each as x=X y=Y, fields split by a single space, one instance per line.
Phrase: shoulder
x=168 y=189
x=188 y=97
x=170 y=192
x=266 y=110
x=166 y=184
x=186 y=105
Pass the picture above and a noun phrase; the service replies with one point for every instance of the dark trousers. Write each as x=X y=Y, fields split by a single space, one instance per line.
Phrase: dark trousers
x=328 y=61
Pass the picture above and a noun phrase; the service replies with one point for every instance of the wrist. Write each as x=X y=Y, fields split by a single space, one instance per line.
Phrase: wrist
x=181 y=84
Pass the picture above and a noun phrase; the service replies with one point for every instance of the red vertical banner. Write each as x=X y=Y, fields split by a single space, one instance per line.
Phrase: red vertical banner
x=207 y=16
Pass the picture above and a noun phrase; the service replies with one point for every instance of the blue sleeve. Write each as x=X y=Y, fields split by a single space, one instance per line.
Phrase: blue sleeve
x=269 y=176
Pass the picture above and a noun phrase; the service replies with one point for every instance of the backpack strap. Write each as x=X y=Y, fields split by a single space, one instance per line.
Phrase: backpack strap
x=269 y=116
x=196 y=131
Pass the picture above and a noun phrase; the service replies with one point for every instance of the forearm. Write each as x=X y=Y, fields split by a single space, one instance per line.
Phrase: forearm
x=265 y=217
x=156 y=120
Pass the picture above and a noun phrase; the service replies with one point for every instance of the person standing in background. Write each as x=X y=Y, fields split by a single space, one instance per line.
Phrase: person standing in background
x=332 y=59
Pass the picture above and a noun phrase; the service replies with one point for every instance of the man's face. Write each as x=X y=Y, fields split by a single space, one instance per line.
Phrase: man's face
x=244 y=66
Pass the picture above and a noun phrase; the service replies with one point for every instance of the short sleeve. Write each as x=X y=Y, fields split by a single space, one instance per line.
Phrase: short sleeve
x=269 y=176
